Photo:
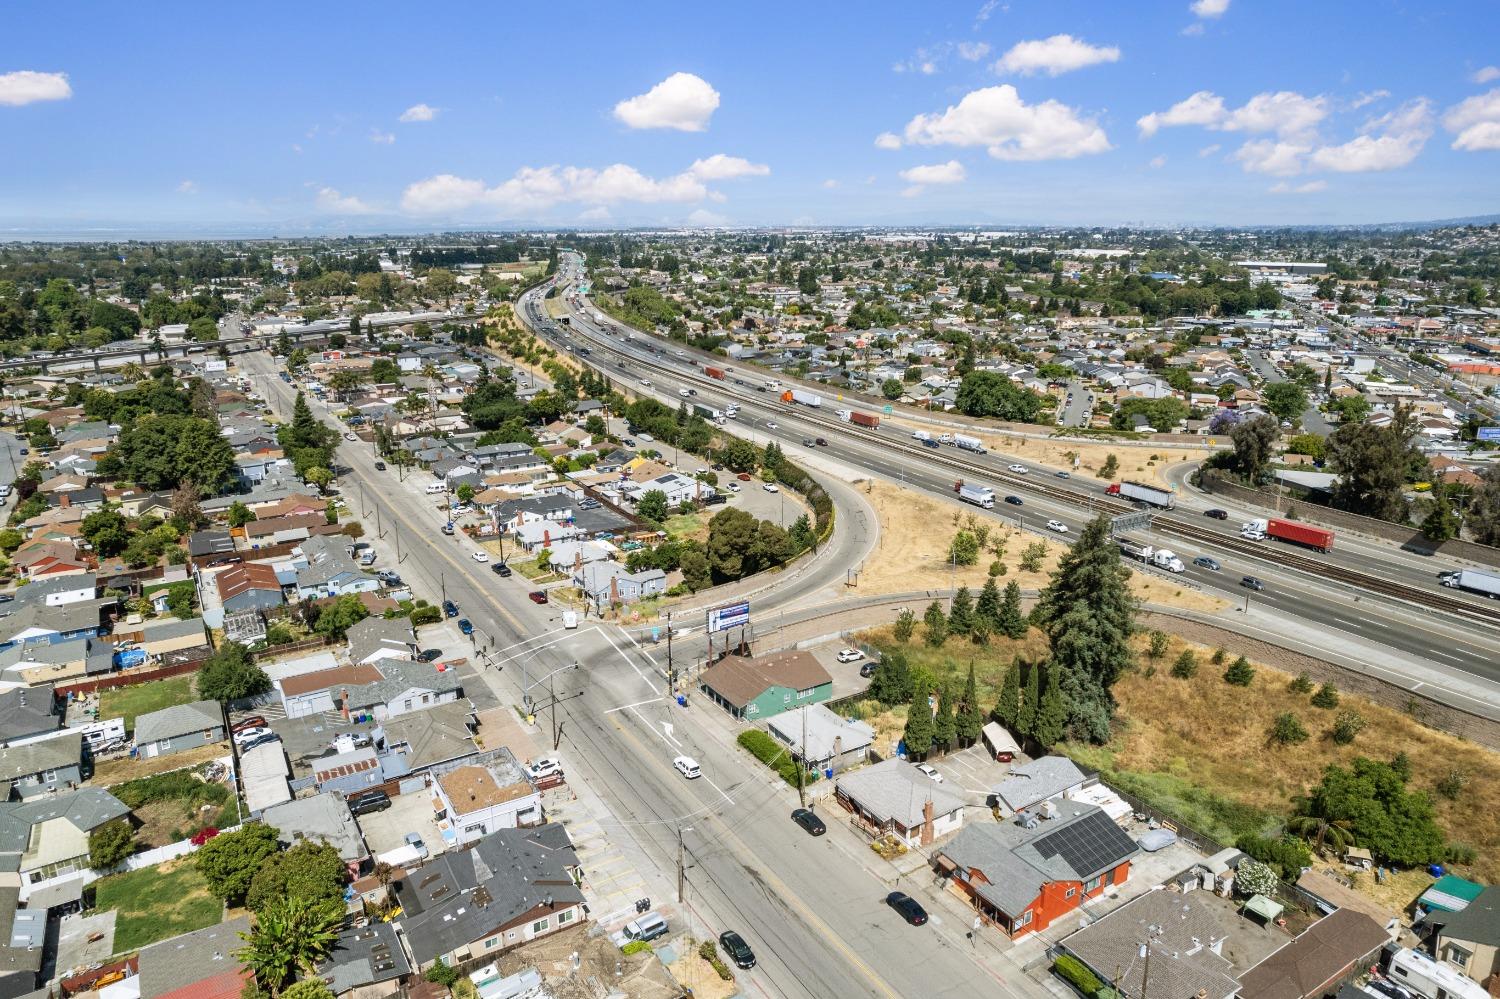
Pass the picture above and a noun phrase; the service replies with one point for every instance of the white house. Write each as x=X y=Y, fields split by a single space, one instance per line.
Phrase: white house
x=678 y=489
x=476 y=799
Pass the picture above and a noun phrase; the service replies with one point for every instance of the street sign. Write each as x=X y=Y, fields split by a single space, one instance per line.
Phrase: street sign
x=728 y=616
x=1130 y=522
x=1490 y=434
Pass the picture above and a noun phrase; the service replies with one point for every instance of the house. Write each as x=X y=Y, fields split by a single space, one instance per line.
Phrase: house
x=280 y=530
x=317 y=691
x=677 y=488
x=404 y=686
x=514 y=885
x=46 y=624
x=1186 y=947
x=1023 y=874
x=43 y=766
x=1032 y=783
x=49 y=835
x=210 y=546
x=378 y=638
x=249 y=586
x=28 y=713
x=47 y=664
x=1470 y=938
x=480 y=797
x=1322 y=956
x=822 y=738
x=323 y=817
x=330 y=572
x=758 y=687
x=23 y=939
x=894 y=798
x=179 y=728
x=197 y=965
x=366 y=962
x=263 y=774
x=611 y=584
x=429 y=739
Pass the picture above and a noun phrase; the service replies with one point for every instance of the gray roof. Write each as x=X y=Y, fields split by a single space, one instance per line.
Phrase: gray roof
x=54 y=654
x=373 y=634
x=60 y=751
x=825 y=731
x=210 y=542
x=192 y=957
x=401 y=675
x=157 y=631
x=38 y=591
x=87 y=808
x=437 y=735
x=1478 y=922
x=322 y=817
x=364 y=955
x=464 y=896
x=1183 y=934
x=77 y=616
x=328 y=567
x=894 y=789
x=21 y=943
x=179 y=719
x=1037 y=781
x=27 y=711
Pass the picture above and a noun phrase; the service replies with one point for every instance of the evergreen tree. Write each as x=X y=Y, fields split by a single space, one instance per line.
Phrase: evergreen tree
x=944 y=727
x=1441 y=524
x=891 y=683
x=1011 y=622
x=1008 y=708
x=1051 y=715
x=1088 y=614
x=961 y=615
x=970 y=719
x=918 y=733
x=1240 y=673
x=1026 y=718
x=937 y=624
x=987 y=608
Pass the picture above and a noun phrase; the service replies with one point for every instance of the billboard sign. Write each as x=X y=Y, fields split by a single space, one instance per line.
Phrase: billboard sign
x=1490 y=434
x=728 y=616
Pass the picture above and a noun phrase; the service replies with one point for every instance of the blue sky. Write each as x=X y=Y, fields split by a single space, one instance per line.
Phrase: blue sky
x=290 y=118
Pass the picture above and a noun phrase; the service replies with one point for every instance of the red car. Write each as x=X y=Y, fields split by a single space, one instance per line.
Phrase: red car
x=254 y=721
x=538 y=596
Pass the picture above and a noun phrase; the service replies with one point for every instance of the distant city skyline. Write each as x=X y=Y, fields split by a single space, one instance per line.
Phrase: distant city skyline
x=321 y=119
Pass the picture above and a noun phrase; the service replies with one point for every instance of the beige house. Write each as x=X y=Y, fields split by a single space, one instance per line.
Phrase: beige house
x=1470 y=939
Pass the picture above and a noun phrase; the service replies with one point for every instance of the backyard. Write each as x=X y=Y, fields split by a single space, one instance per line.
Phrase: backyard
x=155 y=903
x=143 y=698
x=173 y=806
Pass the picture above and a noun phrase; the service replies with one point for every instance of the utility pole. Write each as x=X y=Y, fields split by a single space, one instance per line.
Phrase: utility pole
x=679 y=865
x=671 y=670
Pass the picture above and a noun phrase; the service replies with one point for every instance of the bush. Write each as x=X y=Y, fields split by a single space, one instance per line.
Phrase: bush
x=1452 y=785
x=110 y=844
x=1074 y=971
x=441 y=974
x=1302 y=684
x=1254 y=878
x=1286 y=855
x=635 y=947
x=1286 y=730
x=1186 y=666
x=1326 y=698
x=425 y=615
x=710 y=953
x=1346 y=726
x=1219 y=656
x=1240 y=673
x=774 y=755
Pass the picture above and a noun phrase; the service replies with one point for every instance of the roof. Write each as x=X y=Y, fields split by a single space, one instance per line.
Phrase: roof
x=247 y=576
x=307 y=683
x=21 y=943
x=64 y=750
x=741 y=679
x=195 y=958
x=827 y=734
x=1037 y=781
x=27 y=711
x=437 y=735
x=894 y=789
x=323 y=817
x=1450 y=893
x=1321 y=953
x=179 y=719
x=472 y=787
x=1332 y=891
x=364 y=955
x=401 y=675
x=1478 y=922
x=375 y=634
x=209 y=542
x=999 y=738
x=1183 y=937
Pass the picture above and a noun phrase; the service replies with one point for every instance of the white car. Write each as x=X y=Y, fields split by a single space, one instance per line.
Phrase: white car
x=646 y=382
x=932 y=774
x=770 y=487
x=481 y=557
x=850 y=655
x=350 y=436
x=688 y=767
x=1019 y=469
x=251 y=734
x=772 y=426
x=647 y=438
x=546 y=767
x=733 y=487
x=1058 y=526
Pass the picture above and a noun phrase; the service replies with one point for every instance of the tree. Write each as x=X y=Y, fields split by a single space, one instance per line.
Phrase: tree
x=1032 y=556
x=320 y=477
x=1484 y=508
x=1051 y=715
x=1286 y=729
x=311 y=869
x=1372 y=802
x=936 y=623
x=239 y=514
x=107 y=531
x=892 y=388
x=1373 y=464
x=1110 y=467
x=1088 y=614
x=308 y=988
x=1008 y=707
x=961 y=613
x=1311 y=445
x=1254 y=444
x=891 y=683
x=1441 y=523
x=1347 y=726
x=162 y=452
x=944 y=726
x=1011 y=622
x=989 y=393
x=1327 y=697
x=906 y=623
x=652 y=506
x=229 y=861
x=1252 y=877
x=964 y=549
x=289 y=935
x=919 y=730
x=970 y=719
x=1286 y=399
x=110 y=844
x=335 y=620
x=1240 y=673
x=1158 y=646
x=441 y=974
x=1186 y=666
x=230 y=675
x=1031 y=701
x=186 y=511
x=987 y=607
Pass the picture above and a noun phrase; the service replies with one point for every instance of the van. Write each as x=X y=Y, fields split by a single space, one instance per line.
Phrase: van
x=570 y=619
x=436 y=487
x=648 y=927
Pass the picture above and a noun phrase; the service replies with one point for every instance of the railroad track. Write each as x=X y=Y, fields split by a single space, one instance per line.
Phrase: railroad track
x=1109 y=506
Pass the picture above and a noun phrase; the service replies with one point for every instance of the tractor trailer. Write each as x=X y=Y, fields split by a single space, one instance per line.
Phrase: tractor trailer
x=1141 y=493
x=867 y=420
x=1162 y=558
x=978 y=495
x=1320 y=538
x=1484 y=583
x=968 y=443
x=707 y=412
x=802 y=398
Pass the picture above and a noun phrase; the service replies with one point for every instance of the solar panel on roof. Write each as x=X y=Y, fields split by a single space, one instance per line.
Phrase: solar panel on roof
x=1088 y=844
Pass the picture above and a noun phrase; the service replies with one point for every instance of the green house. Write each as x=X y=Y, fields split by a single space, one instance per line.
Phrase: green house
x=752 y=688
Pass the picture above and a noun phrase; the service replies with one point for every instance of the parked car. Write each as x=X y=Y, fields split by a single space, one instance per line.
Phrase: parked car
x=645 y=928
x=850 y=655
x=546 y=767
x=1015 y=501
x=1217 y=514
x=868 y=669
x=927 y=770
x=909 y=908
x=450 y=609
x=245 y=735
x=733 y=487
x=388 y=577
x=481 y=557
x=429 y=655
x=501 y=569
x=770 y=487
x=737 y=950
x=1057 y=526
x=254 y=721
x=349 y=436
x=1251 y=582
x=688 y=767
x=809 y=821
x=466 y=626
x=1203 y=561
x=448 y=528
x=415 y=842
x=262 y=740
x=366 y=802
x=380 y=466
x=538 y=596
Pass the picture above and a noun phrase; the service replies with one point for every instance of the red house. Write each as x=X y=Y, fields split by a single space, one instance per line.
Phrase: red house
x=1023 y=874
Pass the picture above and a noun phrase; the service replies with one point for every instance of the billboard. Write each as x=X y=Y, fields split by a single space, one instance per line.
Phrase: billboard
x=1490 y=434
x=728 y=616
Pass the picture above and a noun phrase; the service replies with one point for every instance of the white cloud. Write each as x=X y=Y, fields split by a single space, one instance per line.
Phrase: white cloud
x=1157 y=162
x=1485 y=74
x=721 y=167
x=187 y=187
x=1311 y=187
x=973 y=51
x=887 y=140
x=1210 y=149
x=681 y=101
x=382 y=138
x=1202 y=108
x=1011 y=129
x=1386 y=143
x=985 y=12
x=1475 y=122
x=1279 y=159
x=26 y=86
x=1054 y=56
x=418 y=112
x=830 y=184
x=1193 y=30
x=1287 y=113
x=1209 y=8
x=1368 y=98
x=594 y=214
x=951 y=172
x=703 y=216
x=330 y=200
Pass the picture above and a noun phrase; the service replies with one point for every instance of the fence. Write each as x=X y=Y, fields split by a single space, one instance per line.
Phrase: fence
x=276 y=651
x=129 y=678
x=1202 y=842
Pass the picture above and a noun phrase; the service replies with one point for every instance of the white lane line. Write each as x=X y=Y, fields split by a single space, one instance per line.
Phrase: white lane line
x=626 y=707
x=528 y=641
x=1449 y=656
x=662 y=733
x=534 y=649
x=628 y=661
x=721 y=791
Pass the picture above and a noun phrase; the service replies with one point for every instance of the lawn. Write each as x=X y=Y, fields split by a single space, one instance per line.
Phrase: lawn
x=156 y=903
x=143 y=698
x=687 y=525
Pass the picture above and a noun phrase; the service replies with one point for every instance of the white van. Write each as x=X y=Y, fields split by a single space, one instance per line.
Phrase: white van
x=570 y=619
x=436 y=487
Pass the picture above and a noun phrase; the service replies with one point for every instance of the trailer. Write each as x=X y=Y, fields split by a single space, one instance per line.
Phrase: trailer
x=1162 y=558
x=866 y=420
x=809 y=399
x=1141 y=493
x=1294 y=531
x=921 y=435
x=968 y=443
x=1484 y=583
x=982 y=496
x=707 y=412
x=714 y=372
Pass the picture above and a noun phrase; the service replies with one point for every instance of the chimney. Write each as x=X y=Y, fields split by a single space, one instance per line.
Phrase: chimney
x=614 y=589
x=927 y=822
x=64 y=500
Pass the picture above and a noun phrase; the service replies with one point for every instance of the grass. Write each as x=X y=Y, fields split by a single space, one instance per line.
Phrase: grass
x=686 y=525
x=143 y=698
x=156 y=903
x=172 y=806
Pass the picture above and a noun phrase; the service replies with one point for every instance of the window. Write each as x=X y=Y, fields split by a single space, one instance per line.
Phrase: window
x=408 y=705
x=565 y=917
x=1093 y=883
x=1026 y=918
x=1456 y=955
x=1070 y=893
x=541 y=925
x=491 y=942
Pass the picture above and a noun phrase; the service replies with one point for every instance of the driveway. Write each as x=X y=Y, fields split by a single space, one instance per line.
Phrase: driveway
x=386 y=830
x=972 y=770
x=846 y=678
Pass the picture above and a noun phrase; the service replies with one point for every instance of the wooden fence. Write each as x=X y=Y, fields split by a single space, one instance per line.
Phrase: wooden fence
x=130 y=677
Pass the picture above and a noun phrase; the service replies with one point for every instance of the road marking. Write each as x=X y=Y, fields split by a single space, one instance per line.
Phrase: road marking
x=1449 y=656
x=620 y=652
x=625 y=707
x=528 y=641
x=535 y=649
x=647 y=722
x=722 y=792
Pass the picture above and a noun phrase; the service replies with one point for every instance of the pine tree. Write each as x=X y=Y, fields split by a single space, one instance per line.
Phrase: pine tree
x=944 y=727
x=1011 y=622
x=970 y=719
x=937 y=624
x=961 y=614
x=1008 y=708
x=1088 y=614
x=891 y=683
x=987 y=608
x=918 y=733
x=1026 y=719
x=1051 y=715
x=1240 y=673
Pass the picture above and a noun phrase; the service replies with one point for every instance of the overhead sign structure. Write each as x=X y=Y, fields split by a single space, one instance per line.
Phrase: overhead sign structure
x=1130 y=522
x=1490 y=434
x=728 y=616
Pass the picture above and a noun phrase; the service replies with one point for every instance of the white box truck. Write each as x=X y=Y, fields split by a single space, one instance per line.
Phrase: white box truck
x=1484 y=583
x=811 y=399
x=978 y=495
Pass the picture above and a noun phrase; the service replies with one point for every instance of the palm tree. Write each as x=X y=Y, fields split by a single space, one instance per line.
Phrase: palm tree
x=1331 y=835
x=289 y=935
x=132 y=372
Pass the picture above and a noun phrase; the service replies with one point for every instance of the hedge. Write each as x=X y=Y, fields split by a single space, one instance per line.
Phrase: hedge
x=1069 y=967
x=797 y=479
x=775 y=756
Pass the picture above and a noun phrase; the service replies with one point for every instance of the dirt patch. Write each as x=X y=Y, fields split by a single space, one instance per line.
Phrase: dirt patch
x=119 y=769
x=695 y=973
x=164 y=822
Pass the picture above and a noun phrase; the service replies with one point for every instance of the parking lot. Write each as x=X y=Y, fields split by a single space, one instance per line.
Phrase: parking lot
x=386 y=830
x=846 y=678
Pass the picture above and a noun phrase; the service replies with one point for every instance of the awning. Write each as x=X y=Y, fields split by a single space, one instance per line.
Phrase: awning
x=1267 y=909
x=1450 y=894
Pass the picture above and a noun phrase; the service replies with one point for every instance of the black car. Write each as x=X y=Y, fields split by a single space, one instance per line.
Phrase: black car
x=910 y=909
x=868 y=669
x=369 y=801
x=430 y=655
x=737 y=950
x=821 y=442
x=380 y=466
x=450 y=609
x=1217 y=514
x=1015 y=501
x=500 y=569
x=1253 y=583
x=809 y=821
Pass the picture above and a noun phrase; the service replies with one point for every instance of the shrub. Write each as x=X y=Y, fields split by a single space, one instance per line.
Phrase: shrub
x=635 y=947
x=1286 y=730
x=1453 y=783
x=425 y=615
x=1158 y=647
x=441 y=974
x=1254 y=878
x=1302 y=684
x=1186 y=666
x=1069 y=968
x=1286 y=854
x=1219 y=656
x=1346 y=726
x=1326 y=698
x=1460 y=853
x=710 y=953
x=1240 y=673
x=774 y=755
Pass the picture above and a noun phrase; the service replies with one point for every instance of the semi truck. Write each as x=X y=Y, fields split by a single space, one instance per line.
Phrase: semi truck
x=1162 y=558
x=921 y=435
x=867 y=420
x=1484 y=583
x=978 y=495
x=714 y=372
x=968 y=443
x=707 y=412
x=1141 y=493
x=802 y=398
x=1320 y=538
